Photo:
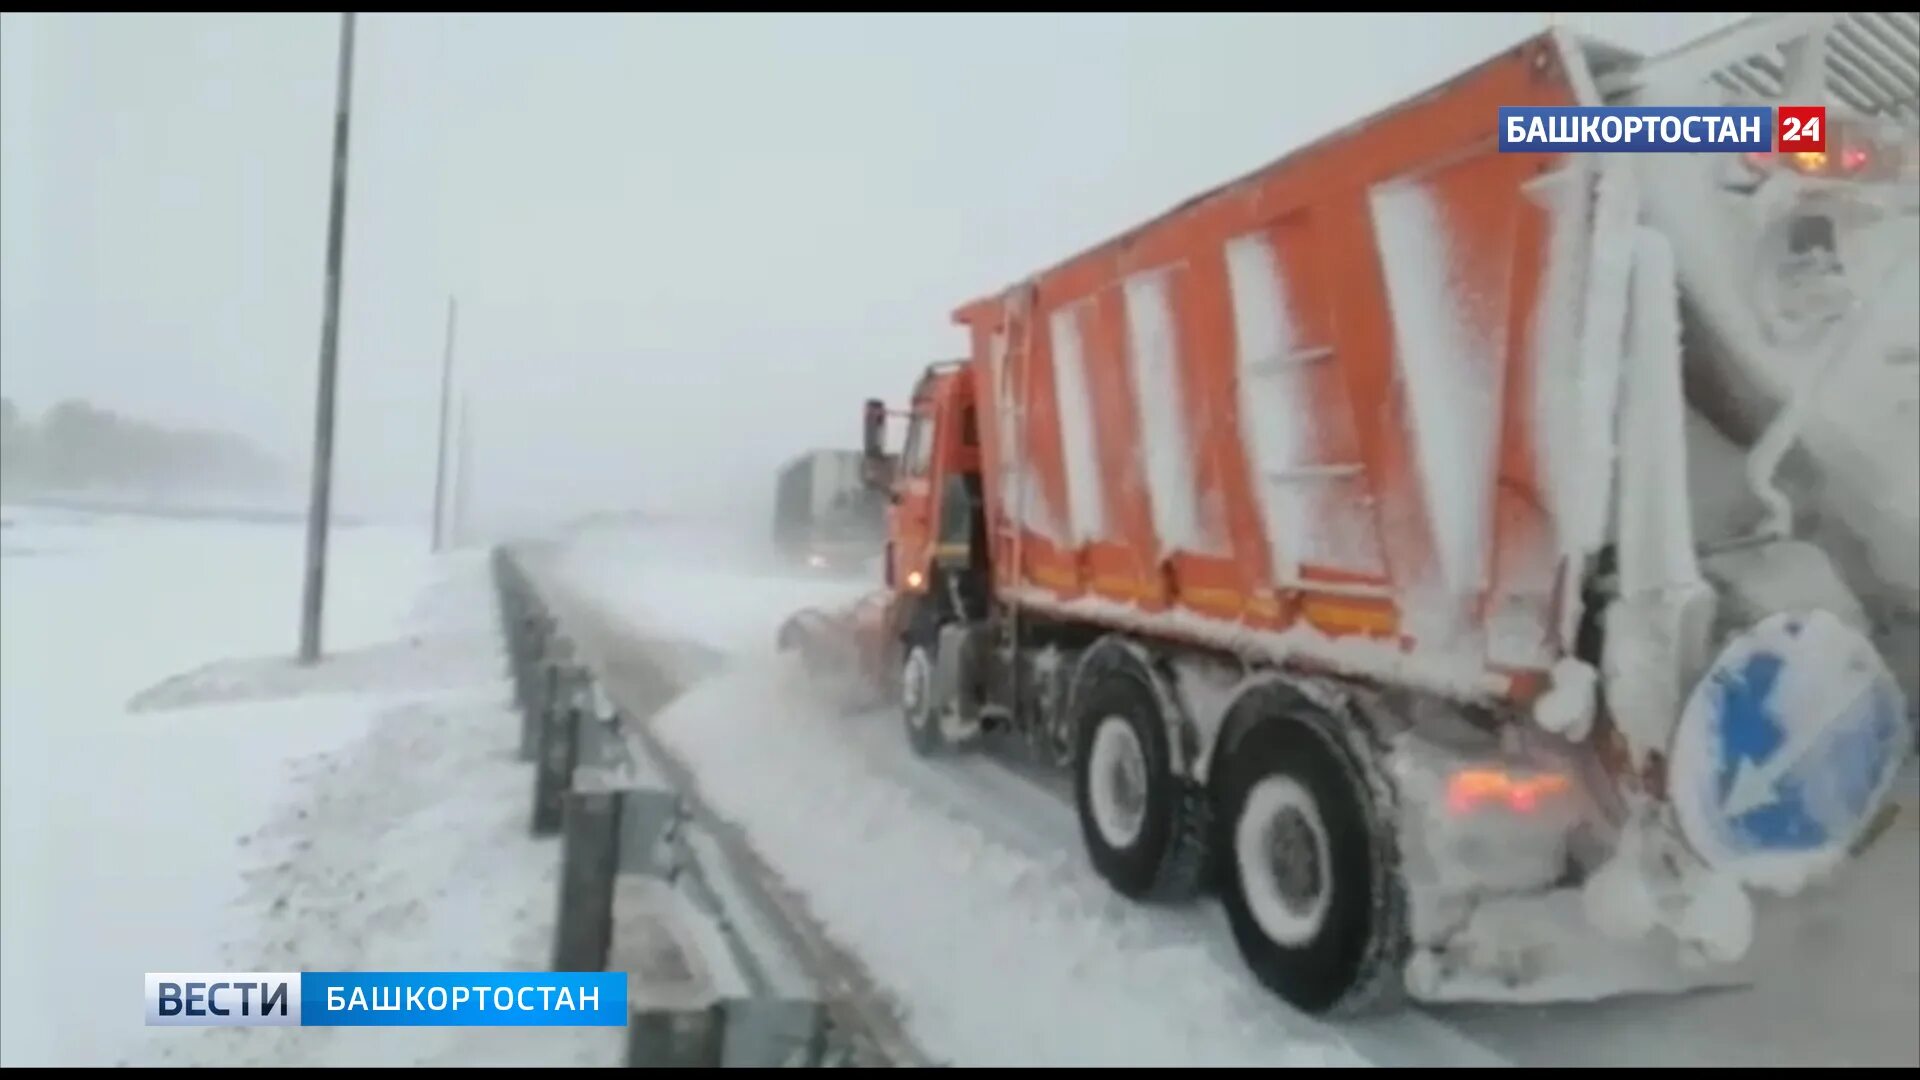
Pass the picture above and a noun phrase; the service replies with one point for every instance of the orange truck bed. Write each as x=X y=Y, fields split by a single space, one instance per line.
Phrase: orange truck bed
x=1297 y=415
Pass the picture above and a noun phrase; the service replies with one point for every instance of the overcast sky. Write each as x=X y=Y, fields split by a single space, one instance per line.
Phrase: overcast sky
x=685 y=247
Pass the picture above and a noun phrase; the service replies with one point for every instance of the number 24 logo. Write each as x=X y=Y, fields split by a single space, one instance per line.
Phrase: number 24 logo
x=1795 y=130
x=1802 y=127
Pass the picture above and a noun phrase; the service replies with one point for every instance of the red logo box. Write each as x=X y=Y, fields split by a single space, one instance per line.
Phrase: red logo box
x=1800 y=128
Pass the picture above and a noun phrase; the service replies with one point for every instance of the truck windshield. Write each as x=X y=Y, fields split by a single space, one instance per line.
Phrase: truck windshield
x=917 y=455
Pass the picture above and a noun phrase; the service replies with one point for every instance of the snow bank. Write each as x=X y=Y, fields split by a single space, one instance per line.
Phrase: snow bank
x=394 y=832
x=407 y=850
x=107 y=868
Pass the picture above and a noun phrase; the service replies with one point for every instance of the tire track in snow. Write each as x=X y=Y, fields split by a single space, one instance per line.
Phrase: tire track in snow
x=970 y=787
x=1001 y=957
x=1022 y=813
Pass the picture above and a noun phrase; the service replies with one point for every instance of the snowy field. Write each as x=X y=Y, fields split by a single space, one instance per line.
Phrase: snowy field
x=963 y=889
x=178 y=796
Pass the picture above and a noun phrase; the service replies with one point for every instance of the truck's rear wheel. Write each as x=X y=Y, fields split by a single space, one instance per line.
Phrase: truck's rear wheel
x=1144 y=827
x=1310 y=885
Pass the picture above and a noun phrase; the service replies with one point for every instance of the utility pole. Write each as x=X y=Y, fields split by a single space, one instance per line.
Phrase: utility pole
x=318 y=510
x=440 y=461
x=463 y=473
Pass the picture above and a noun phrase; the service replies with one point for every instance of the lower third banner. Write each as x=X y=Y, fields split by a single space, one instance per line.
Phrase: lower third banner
x=387 y=999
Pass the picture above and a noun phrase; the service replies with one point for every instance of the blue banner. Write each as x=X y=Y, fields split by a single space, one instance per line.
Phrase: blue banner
x=463 y=999
x=1730 y=129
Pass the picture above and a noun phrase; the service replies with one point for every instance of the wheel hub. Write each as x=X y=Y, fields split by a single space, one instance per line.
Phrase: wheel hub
x=915 y=688
x=1296 y=860
x=1117 y=782
x=1282 y=854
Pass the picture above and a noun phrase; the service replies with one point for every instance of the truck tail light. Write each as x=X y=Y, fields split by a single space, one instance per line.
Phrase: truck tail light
x=1473 y=789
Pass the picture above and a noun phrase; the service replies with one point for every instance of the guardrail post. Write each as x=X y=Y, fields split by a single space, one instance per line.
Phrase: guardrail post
x=773 y=1033
x=522 y=644
x=536 y=633
x=613 y=828
x=557 y=750
x=519 y=641
x=597 y=734
x=682 y=1035
x=589 y=860
x=549 y=693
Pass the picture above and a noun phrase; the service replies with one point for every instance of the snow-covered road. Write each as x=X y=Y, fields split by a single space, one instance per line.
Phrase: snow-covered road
x=963 y=889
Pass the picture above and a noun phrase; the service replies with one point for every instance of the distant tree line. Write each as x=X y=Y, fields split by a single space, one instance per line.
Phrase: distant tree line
x=78 y=445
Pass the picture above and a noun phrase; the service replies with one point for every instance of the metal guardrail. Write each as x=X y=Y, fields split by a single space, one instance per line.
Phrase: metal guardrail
x=645 y=887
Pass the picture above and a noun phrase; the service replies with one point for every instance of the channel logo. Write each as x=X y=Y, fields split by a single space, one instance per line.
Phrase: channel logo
x=1628 y=129
x=223 y=999
x=386 y=999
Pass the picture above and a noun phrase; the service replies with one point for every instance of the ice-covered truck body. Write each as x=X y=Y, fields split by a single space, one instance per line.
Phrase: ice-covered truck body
x=1382 y=531
x=826 y=515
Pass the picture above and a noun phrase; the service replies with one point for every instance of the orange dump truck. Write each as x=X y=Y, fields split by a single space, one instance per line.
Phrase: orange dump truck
x=1358 y=536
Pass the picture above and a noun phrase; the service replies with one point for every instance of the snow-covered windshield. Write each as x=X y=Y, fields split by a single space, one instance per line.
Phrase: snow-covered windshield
x=918 y=454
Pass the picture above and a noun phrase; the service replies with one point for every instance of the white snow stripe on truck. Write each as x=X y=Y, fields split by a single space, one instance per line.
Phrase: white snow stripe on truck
x=1166 y=447
x=1451 y=368
x=1085 y=497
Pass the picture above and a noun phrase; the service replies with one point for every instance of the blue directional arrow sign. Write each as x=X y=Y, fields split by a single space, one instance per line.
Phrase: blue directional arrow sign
x=1789 y=744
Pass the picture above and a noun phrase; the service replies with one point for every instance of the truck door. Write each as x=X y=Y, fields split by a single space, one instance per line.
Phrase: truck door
x=913 y=506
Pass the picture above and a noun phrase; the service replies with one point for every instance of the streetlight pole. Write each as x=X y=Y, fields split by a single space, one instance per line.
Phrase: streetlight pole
x=440 y=460
x=463 y=473
x=319 y=509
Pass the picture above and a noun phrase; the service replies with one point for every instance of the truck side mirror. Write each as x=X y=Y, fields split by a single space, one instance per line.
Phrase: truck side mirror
x=876 y=464
x=874 y=430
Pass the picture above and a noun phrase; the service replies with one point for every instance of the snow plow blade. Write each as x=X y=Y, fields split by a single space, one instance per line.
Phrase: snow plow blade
x=844 y=656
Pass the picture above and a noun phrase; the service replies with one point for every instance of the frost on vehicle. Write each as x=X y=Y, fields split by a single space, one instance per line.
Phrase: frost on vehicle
x=1296 y=417
x=1086 y=493
x=1527 y=487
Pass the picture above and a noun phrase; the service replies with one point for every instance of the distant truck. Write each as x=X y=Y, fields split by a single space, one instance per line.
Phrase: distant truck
x=826 y=515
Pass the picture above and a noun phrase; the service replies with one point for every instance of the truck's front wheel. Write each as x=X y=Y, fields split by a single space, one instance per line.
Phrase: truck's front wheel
x=1311 y=888
x=917 y=707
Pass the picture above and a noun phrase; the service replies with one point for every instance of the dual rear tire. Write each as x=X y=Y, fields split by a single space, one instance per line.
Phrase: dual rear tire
x=1310 y=874
x=1289 y=830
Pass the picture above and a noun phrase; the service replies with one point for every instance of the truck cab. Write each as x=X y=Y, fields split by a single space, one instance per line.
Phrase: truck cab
x=936 y=527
